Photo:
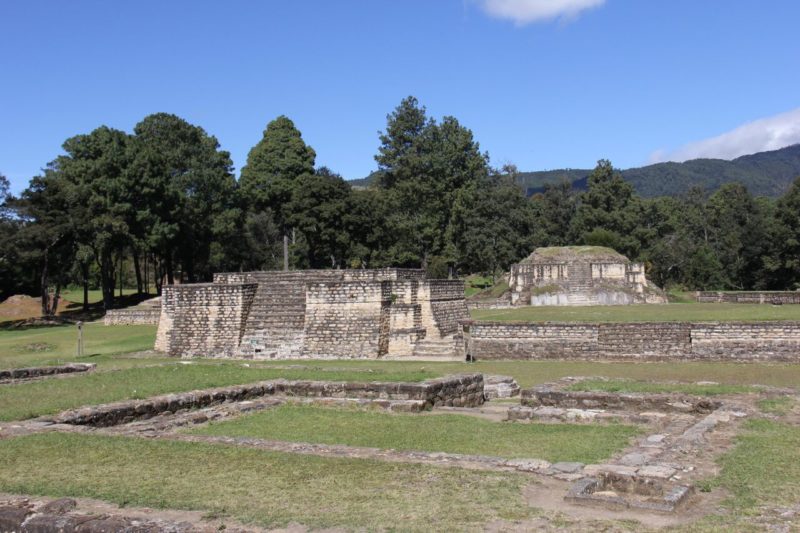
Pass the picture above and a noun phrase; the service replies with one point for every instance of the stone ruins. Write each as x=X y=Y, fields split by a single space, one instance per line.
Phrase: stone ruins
x=580 y=275
x=314 y=314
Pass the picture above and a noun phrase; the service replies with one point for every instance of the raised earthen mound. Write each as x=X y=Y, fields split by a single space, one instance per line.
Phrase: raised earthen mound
x=575 y=254
x=20 y=306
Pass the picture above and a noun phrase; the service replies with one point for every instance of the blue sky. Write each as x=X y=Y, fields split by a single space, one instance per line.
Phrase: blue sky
x=542 y=83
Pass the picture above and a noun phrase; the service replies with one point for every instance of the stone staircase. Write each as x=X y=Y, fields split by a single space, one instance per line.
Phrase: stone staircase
x=580 y=285
x=442 y=349
x=277 y=316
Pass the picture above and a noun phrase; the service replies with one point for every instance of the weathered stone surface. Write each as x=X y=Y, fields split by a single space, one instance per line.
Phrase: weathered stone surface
x=656 y=471
x=625 y=492
x=580 y=275
x=60 y=517
x=147 y=312
x=463 y=389
x=655 y=439
x=749 y=297
x=321 y=314
x=550 y=396
x=528 y=465
x=567 y=467
x=60 y=506
x=42 y=371
x=500 y=387
x=12 y=517
x=657 y=341
x=634 y=459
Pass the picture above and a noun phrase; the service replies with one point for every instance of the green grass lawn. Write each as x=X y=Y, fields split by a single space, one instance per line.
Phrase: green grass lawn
x=695 y=312
x=433 y=433
x=762 y=470
x=58 y=344
x=779 y=405
x=482 y=287
x=107 y=346
x=627 y=386
x=266 y=488
x=75 y=294
x=49 y=396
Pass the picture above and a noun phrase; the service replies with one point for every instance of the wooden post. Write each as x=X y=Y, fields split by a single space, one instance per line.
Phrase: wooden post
x=285 y=252
x=80 y=339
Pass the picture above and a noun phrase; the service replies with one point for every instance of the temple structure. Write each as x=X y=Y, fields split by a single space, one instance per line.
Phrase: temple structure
x=386 y=313
x=580 y=275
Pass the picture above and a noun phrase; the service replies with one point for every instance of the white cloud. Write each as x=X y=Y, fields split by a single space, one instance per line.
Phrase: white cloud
x=527 y=11
x=771 y=133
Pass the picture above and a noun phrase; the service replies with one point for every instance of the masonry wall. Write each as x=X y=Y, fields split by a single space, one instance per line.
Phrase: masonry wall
x=132 y=316
x=448 y=306
x=203 y=319
x=735 y=341
x=344 y=320
x=315 y=314
x=750 y=297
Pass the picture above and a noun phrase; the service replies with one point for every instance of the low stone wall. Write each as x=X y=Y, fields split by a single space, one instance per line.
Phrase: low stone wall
x=458 y=390
x=42 y=371
x=132 y=316
x=720 y=341
x=749 y=297
x=546 y=396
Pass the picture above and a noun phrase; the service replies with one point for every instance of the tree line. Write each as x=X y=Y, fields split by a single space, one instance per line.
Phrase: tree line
x=165 y=199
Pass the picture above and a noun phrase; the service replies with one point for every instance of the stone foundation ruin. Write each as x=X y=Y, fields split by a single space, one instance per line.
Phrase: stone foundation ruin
x=314 y=314
x=580 y=275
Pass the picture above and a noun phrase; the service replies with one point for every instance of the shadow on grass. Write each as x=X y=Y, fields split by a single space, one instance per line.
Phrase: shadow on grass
x=72 y=312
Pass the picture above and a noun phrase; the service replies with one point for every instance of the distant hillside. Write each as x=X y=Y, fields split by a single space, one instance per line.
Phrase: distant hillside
x=764 y=174
x=365 y=182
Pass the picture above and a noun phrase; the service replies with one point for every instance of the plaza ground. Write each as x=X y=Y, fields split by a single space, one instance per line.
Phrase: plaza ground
x=679 y=312
x=759 y=476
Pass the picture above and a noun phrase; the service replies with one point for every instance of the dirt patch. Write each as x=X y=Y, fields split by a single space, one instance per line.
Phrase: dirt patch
x=166 y=520
x=35 y=347
x=19 y=307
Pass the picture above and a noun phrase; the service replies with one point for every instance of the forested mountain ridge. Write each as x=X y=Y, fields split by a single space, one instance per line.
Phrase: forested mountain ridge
x=764 y=174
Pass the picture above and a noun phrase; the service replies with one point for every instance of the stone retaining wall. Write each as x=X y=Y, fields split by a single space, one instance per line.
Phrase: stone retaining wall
x=721 y=341
x=131 y=316
x=42 y=371
x=458 y=390
x=749 y=297
x=488 y=303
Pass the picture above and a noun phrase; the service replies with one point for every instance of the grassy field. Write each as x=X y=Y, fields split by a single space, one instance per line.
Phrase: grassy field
x=763 y=470
x=273 y=489
x=266 y=488
x=436 y=433
x=58 y=344
x=628 y=386
x=695 y=312
x=133 y=376
x=120 y=378
x=49 y=396
x=75 y=294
